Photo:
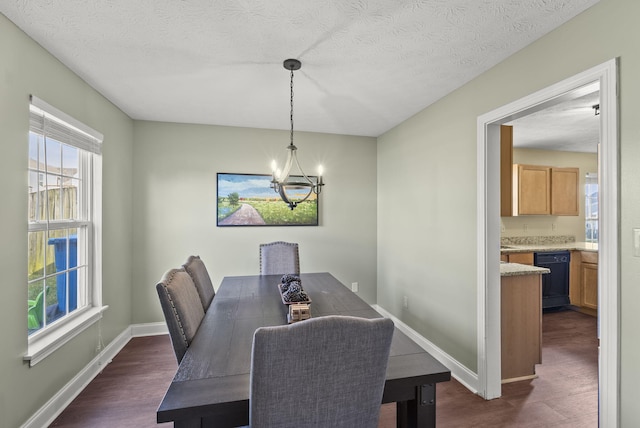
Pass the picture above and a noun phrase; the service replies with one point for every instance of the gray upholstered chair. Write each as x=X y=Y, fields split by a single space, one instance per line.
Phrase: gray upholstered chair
x=277 y=258
x=198 y=271
x=323 y=372
x=182 y=308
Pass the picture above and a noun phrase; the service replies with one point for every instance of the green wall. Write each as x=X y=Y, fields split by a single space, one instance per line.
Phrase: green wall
x=427 y=251
x=175 y=205
x=25 y=68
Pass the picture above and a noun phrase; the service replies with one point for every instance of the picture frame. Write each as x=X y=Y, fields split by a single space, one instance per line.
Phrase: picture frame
x=248 y=200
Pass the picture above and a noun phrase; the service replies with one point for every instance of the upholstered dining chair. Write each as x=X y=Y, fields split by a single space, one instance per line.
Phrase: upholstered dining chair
x=278 y=258
x=323 y=372
x=182 y=308
x=198 y=271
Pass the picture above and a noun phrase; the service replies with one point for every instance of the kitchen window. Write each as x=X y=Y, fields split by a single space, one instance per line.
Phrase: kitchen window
x=64 y=262
x=591 y=207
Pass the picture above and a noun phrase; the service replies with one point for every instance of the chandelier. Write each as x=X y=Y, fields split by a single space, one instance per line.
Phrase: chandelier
x=294 y=188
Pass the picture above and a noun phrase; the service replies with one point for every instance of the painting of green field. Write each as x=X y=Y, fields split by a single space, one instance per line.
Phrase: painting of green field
x=248 y=200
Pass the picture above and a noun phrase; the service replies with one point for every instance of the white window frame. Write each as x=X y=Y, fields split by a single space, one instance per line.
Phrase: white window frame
x=45 y=341
x=590 y=179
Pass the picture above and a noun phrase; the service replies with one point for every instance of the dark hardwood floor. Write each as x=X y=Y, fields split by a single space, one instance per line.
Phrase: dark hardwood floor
x=129 y=390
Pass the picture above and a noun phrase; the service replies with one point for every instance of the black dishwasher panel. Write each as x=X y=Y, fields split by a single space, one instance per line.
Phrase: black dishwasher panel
x=555 y=285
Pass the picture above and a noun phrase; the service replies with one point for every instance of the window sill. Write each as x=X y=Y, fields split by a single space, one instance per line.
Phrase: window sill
x=43 y=345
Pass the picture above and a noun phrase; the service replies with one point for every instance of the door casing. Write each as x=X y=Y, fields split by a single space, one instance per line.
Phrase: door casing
x=488 y=233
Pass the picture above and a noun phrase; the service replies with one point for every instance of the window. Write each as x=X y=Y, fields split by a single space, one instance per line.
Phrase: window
x=591 y=207
x=64 y=264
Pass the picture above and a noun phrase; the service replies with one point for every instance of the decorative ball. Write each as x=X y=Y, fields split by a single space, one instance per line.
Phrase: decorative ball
x=294 y=287
x=293 y=292
x=289 y=277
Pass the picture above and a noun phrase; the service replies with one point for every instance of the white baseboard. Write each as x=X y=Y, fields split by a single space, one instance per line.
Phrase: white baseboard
x=52 y=409
x=460 y=372
x=149 y=329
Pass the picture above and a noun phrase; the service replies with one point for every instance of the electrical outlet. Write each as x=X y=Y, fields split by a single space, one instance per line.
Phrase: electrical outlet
x=525 y=227
x=405 y=302
x=554 y=226
x=354 y=287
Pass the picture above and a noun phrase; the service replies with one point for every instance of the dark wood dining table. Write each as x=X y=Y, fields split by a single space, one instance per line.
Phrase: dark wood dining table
x=211 y=386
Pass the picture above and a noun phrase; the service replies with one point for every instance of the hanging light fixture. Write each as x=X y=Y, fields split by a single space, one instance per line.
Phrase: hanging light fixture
x=294 y=188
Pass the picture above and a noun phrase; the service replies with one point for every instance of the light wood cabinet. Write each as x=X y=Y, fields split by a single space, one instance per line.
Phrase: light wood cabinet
x=575 y=281
x=531 y=190
x=589 y=280
x=522 y=258
x=506 y=170
x=544 y=190
x=583 y=281
x=564 y=191
x=521 y=326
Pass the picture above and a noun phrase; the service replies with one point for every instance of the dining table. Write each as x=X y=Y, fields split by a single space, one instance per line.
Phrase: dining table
x=211 y=385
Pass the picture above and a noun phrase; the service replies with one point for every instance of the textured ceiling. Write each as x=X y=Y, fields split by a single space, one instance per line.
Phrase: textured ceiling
x=367 y=65
x=570 y=126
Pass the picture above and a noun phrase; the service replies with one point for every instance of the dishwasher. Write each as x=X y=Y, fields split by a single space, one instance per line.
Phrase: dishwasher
x=555 y=285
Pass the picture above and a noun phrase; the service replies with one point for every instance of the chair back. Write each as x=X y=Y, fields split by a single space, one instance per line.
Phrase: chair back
x=323 y=372
x=35 y=310
x=278 y=258
x=198 y=271
x=182 y=308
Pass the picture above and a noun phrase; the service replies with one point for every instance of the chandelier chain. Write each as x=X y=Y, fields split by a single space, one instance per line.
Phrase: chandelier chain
x=291 y=112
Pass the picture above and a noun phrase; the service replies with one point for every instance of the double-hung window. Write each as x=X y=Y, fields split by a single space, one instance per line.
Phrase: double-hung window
x=64 y=261
x=591 y=207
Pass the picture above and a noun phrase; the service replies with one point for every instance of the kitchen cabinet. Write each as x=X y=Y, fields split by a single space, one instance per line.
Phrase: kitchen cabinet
x=583 y=282
x=564 y=191
x=589 y=280
x=521 y=326
x=531 y=190
x=575 y=283
x=506 y=170
x=544 y=190
x=522 y=258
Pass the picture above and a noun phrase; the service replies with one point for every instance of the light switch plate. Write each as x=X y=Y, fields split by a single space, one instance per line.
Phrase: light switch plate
x=636 y=242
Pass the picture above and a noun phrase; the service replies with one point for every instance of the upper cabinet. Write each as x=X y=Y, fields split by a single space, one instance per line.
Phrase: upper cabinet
x=531 y=190
x=564 y=191
x=506 y=174
x=544 y=190
x=535 y=189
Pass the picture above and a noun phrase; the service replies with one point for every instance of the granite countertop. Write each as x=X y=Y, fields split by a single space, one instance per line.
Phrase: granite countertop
x=517 y=269
x=531 y=247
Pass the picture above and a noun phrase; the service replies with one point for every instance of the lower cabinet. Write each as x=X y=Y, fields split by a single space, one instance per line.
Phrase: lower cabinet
x=583 y=281
x=575 y=279
x=522 y=258
x=589 y=280
x=521 y=326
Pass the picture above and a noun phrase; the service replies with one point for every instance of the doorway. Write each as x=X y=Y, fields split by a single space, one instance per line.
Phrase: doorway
x=488 y=216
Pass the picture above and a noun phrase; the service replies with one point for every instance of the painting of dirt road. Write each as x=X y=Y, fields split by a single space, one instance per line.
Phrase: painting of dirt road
x=248 y=200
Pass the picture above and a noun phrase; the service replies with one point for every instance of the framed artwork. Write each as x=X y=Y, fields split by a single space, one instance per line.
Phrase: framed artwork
x=249 y=200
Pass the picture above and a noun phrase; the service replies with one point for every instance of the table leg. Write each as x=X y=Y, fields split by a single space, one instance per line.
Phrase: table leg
x=418 y=413
x=188 y=423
